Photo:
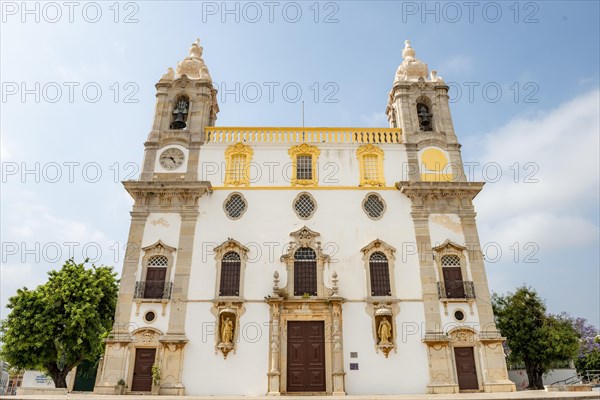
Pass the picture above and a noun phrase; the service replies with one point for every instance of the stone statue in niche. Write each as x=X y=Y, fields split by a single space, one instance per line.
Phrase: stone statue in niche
x=226 y=333
x=384 y=332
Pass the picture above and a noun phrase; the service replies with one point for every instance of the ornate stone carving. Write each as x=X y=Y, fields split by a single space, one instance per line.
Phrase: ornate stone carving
x=304 y=237
x=383 y=317
x=411 y=68
x=193 y=66
x=167 y=195
x=227 y=315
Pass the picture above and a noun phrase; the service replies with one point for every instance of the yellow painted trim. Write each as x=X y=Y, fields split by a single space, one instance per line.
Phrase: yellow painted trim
x=304 y=150
x=230 y=152
x=304 y=188
x=370 y=150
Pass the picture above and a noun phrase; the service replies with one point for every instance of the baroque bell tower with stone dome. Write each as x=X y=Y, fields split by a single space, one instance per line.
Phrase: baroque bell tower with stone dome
x=246 y=262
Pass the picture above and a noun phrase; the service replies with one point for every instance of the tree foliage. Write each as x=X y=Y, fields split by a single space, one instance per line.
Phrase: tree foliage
x=60 y=323
x=588 y=362
x=534 y=338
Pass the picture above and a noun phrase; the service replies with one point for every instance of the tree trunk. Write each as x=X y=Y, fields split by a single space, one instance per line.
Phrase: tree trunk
x=534 y=375
x=59 y=377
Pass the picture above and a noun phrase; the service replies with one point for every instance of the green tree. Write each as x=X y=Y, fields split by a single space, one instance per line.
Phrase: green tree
x=60 y=323
x=588 y=362
x=534 y=338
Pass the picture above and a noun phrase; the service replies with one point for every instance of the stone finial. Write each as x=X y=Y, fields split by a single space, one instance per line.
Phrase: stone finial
x=196 y=49
x=276 y=283
x=334 y=284
x=408 y=52
x=193 y=65
x=169 y=75
x=411 y=68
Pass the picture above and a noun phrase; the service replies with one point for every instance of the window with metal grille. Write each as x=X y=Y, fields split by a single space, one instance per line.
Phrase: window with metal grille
x=304 y=167
x=235 y=205
x=304 y=206
x=374 y=206
x=158 y=261
x=305 y=272
x=380 y=275
x=230 y=274
x=450 y=261
x=238 y=168
x=371 y=171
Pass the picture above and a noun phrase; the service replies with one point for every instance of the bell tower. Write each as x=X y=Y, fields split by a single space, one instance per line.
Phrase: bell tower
x=186 y=103
x=435 y=183
x=418 y=104
x=158 y=259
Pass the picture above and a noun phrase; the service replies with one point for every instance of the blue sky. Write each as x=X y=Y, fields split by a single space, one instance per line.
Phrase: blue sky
x=533 y=68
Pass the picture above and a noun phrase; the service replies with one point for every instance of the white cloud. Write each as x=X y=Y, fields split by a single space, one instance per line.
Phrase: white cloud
x=562 y=147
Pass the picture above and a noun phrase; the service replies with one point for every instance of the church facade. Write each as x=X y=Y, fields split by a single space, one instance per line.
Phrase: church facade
x=303 y=260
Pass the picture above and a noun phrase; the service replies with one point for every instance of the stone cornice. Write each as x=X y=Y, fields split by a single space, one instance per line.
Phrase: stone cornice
x=167 y=194
x=440 y=190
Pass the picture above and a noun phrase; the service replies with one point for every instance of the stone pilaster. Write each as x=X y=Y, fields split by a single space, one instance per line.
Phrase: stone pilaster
x=431 y=301
x=128 y=276
x=274 y=344
x=338 y=355
x=440 y=365
x=181 y=281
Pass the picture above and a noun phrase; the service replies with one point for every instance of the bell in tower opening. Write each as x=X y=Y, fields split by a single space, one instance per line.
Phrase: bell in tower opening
x=424 y=117
x=180 y=112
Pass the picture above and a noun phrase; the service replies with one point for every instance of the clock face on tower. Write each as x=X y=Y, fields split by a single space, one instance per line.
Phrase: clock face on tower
x=171 y=158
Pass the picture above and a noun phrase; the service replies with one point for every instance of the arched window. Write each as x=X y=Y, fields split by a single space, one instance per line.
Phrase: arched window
x=156 y=275
x=453 y=280
x=230 y=274
x=305 y=272
x=380 y=275
x=425 y=117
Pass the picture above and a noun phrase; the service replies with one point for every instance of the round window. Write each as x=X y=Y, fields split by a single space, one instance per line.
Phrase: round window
x=459 y=315
x=373 y=206
x=235 y=205
x=150 y=316
x=304 y=206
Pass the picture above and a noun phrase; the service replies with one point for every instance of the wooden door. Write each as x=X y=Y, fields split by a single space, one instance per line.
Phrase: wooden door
x=453 y=282
x=306 y=356
x=155 y=283
x=465 y=368
x=142 y=371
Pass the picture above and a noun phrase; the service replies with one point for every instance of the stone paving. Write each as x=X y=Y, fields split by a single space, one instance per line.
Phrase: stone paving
x=538 y=395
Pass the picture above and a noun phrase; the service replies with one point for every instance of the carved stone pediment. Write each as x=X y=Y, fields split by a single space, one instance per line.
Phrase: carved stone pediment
x=159 y=248
x=448 y=244
x=378 y=245
x=304 y=237
x=231 y=245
